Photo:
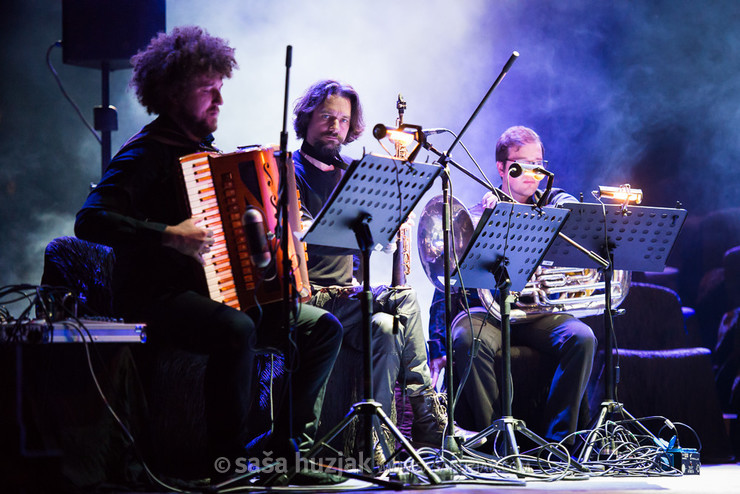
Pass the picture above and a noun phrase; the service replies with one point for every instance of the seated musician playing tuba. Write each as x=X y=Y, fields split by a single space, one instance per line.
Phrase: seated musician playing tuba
x=567 y=339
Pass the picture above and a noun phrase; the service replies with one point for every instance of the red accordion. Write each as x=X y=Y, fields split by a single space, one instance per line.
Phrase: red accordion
x=220 y=188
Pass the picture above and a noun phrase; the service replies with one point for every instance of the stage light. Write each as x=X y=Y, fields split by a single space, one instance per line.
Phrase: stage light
x=404 y=135
x=401 y=137
x=623 y=194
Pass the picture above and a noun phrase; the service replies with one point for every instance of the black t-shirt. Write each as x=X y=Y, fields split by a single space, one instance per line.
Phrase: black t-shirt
x=327 y=266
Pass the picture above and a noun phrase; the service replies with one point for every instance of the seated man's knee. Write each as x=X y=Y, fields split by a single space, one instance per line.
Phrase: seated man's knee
x=582 y=336
x=331 y=327
x=462 y=338
x=383 y=335
x=382 y=324
x=234 y=329
x=409 y=296
x=589 y=340
x=464 y=328
x=400 y=301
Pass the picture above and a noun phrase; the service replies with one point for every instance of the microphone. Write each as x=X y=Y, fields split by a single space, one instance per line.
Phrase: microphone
x=380 y=131
x=516 y=169
x=254 y=231
x=431 y=132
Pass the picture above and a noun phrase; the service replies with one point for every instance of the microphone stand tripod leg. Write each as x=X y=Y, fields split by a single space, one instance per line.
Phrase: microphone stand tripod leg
x=507 y=423
x=590 y=438
x=609 y=405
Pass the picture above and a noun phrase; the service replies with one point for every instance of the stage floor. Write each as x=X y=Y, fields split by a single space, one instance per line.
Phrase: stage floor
x=713 y=479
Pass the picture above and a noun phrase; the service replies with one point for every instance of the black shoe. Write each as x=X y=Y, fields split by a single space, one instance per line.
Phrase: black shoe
x=305 y=477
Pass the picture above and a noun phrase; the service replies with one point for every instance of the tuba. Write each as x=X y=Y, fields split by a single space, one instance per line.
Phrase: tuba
x=577 y=291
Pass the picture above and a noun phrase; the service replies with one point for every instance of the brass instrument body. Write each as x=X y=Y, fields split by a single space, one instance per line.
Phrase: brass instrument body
x=576 y=291
x=430 y=239
x=401 y=266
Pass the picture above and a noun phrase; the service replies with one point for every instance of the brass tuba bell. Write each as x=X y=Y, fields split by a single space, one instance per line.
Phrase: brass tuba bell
x=577 y=291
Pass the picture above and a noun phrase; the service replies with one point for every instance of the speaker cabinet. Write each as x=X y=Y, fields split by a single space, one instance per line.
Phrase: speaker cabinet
x=97 y=31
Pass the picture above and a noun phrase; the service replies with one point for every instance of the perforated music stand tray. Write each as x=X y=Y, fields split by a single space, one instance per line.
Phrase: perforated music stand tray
x=382 y=187
x=366 y=209
x=507 y=246
x=519 y=233
x=639 y=238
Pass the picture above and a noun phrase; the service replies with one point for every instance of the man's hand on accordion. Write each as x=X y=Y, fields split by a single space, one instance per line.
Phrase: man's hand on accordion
x=189 y=239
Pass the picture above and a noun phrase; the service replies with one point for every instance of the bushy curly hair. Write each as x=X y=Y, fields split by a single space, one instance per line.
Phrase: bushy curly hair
x=171 y=61
x=316 y=95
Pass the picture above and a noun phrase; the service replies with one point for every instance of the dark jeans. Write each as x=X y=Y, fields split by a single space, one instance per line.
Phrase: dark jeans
x=200 y=325
x=571 y=343
x=401 y=356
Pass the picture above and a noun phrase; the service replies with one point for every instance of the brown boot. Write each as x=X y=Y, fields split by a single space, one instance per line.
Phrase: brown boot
x=430 y=420
x=383 y=450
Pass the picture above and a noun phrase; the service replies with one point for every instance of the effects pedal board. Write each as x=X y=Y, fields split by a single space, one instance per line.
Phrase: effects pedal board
x=38 y=331
x=686 y=460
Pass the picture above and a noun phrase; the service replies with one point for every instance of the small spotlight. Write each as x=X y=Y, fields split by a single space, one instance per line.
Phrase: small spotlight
x=623 y=194
x=404 y=135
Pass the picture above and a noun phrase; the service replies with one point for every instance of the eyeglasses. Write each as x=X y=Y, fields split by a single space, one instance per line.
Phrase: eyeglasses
x=540 y=163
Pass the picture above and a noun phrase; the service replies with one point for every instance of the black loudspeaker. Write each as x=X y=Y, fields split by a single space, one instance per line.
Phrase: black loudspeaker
x=112 y=31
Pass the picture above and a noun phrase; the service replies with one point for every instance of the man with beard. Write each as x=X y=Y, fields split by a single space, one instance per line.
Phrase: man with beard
x=326 y=117
x=139 y=208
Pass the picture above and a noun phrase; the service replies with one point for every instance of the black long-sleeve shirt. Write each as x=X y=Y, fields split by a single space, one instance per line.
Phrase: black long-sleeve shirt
x=140 y=194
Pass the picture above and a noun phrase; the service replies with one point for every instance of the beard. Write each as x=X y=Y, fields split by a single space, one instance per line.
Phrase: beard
x=199 y=125
x=205 y=125
x=327 y=153
x=326 y=146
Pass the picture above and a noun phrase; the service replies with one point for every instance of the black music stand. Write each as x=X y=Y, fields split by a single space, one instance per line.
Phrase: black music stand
x=508 y=244
x=637 y=238
x=366 y=209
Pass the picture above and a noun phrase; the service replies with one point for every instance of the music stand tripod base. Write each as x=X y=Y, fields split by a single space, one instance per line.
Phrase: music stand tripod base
x=508 y=244
x=637 y=238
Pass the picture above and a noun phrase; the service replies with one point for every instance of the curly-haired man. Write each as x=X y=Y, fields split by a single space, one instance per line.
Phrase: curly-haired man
x=139 y=208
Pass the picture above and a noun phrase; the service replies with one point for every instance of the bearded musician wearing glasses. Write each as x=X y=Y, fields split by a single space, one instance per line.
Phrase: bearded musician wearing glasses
x=567 y=341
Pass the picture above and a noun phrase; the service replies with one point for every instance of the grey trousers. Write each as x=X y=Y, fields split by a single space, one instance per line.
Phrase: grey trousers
x=396 y=357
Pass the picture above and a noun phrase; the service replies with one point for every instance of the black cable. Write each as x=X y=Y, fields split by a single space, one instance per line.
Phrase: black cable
x=64 y=91
x=612 y=333
x=45 y=291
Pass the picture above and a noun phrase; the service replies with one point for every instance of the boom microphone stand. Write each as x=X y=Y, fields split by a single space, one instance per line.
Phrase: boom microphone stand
x=287 y=282
x=451 y=442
